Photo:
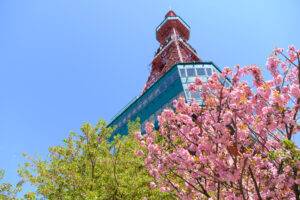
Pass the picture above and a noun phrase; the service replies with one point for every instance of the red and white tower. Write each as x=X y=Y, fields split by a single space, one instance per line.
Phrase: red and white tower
x=172 y=34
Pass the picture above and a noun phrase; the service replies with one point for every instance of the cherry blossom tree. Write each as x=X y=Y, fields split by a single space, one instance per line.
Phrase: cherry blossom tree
x=237 y=144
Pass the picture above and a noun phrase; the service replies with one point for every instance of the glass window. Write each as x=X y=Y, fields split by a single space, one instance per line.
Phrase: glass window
x=140 y=106
x=168 y=81
x=156 y=125
x=153 y=95
x=182 y=73
x=195 y=95
x=144 y=102
x=226 y=84
x=200 y=71
x=156 y=91
x=162 y=86
x=187 y=92
x=222 y=80
x=209 y=72
x=143 y=127
x=191 y=72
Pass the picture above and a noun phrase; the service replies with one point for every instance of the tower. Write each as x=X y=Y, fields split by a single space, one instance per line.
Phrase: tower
x=174 y=66
x=173 y=35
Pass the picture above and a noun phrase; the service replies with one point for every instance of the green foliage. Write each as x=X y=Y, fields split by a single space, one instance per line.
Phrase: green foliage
x=84 y=167
x=290 y=153
x=273 y=155
x=287 y=155
x=288 y=144
x=7 y=190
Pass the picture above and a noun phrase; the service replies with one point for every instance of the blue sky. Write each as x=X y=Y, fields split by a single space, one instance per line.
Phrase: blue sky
x=65 y=62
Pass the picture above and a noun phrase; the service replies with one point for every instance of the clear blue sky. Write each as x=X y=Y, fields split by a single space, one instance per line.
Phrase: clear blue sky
x=65 y=62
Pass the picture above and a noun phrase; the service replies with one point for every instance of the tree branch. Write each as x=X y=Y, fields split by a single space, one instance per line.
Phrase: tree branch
x=255 y=183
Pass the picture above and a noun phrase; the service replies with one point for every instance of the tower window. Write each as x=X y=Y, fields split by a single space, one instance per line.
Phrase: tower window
x=222 y=80
x=182 y=73
x=226 y=84
x=200 y=71
x=191 y=72
x=209 y=72
x=187 y=92
x=195 y=95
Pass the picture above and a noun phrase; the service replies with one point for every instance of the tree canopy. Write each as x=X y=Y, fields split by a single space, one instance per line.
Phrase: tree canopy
x=90 y=166
x=237 y=143
x=7 y=190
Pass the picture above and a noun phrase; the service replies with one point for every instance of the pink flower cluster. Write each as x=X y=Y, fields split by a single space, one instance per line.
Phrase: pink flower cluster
x=231 y=146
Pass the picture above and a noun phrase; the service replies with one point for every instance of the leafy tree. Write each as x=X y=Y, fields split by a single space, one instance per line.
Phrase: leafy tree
x=7 y=190
x=90 y=166
x=237 y=145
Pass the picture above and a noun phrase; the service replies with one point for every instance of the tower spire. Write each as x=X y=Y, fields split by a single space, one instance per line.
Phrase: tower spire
x=172 y=34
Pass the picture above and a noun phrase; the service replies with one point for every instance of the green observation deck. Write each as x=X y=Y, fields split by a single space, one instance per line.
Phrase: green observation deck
x=173 y=84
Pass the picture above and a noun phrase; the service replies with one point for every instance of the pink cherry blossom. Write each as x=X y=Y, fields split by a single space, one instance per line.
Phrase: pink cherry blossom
x=295 y=90
x=152 y=185
x=139 y=153
x=198 y=81
x=232 y=147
